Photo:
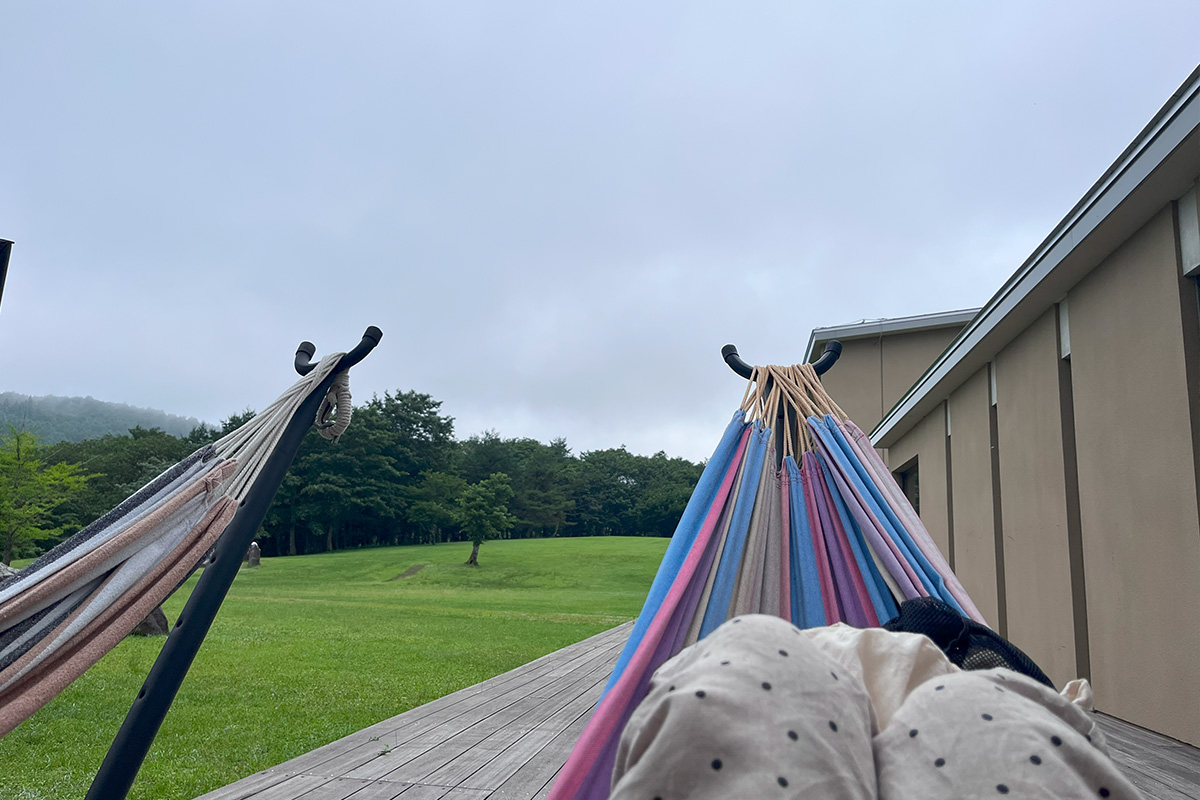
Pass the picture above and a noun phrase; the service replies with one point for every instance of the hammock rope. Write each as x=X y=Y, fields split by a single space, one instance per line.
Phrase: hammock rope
x=336 y=403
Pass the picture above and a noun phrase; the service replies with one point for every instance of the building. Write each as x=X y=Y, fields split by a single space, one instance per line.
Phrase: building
x=882 y=358
x=1055 y=440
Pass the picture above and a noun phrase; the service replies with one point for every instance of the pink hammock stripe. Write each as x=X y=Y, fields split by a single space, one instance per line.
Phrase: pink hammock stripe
x=605 y=725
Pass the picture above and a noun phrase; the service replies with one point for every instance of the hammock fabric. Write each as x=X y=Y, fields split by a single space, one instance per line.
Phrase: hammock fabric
x=825 y=537
x=63 y=612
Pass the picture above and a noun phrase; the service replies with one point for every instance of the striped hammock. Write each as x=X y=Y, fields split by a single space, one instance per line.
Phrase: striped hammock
x=817 y=534
x=63 y=612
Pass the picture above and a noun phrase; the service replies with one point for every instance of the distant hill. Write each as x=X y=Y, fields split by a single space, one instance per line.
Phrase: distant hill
x=73 y=419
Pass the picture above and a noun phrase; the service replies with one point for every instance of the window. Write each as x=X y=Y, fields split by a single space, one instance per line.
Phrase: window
x=908 y=477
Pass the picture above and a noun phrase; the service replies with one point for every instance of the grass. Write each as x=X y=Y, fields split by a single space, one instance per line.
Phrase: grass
x=308 y=649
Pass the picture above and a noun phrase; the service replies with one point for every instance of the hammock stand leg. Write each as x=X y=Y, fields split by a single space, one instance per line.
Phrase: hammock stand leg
x=133 y=740
x=5 y=252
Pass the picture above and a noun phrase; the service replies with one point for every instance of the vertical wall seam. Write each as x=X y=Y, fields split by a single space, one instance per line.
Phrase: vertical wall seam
x=949 y=497
x=998 y=523
x=1189 y=306
x=1066 y=411
x=882 y=408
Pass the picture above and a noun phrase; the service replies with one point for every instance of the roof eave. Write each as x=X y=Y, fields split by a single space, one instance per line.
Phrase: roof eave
x=1130 y=191
x=882 y=327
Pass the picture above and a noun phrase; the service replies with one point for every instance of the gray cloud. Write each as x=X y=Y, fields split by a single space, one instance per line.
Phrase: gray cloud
x=556 y=213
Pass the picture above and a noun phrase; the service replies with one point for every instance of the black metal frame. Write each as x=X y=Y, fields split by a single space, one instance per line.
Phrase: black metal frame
x=833 y=351
x=133 y=740
x=149 y=709
x=5 y=252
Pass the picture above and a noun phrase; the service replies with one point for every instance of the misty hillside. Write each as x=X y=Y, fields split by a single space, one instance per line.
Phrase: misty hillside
x=73 y=419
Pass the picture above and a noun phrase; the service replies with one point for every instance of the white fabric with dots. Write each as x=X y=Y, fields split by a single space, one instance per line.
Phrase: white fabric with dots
x=761 y=709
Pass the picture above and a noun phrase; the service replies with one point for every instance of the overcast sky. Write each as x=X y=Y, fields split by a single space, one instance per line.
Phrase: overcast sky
x=556 y=212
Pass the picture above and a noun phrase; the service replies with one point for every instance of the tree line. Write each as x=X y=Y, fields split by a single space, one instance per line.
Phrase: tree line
x=73 y=419
x=397 y=476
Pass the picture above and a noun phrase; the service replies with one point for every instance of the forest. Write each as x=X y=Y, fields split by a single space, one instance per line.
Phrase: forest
x=395 y=477
x=72 y=419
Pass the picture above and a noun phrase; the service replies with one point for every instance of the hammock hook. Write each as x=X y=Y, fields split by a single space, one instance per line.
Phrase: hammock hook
x=833 y=351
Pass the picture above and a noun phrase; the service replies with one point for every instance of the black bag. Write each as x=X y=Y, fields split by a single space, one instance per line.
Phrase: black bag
x=965 y=642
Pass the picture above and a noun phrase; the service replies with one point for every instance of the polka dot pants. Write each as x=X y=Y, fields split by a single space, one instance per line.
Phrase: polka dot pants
x=756 y=710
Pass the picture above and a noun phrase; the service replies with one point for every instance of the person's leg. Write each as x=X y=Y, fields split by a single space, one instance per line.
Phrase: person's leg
x=754 y=710
x=989 y=734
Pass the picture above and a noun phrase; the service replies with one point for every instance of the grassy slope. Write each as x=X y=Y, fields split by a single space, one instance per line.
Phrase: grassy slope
x=308 y=649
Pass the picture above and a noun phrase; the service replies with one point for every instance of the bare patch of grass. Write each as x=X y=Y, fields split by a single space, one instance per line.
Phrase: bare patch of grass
x=408 y=573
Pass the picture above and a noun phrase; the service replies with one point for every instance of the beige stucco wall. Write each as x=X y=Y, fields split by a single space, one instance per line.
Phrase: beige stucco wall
x=874 y=373
x=1033 y=496
x=971 y=494
x=906 y=356
x=854 y=382
x=927 y=443
x=1139 y=518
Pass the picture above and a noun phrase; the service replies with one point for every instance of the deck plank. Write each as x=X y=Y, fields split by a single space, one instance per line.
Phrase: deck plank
x=1161 y=768
x=249 y=786
x=498 y=748
x=495 y=773
x=292 y=788
x=340 y=789
x=508 y=737
x=404 y=727
x=458 y=733
x=534 y=778
x=486 y=738
x=378 y=790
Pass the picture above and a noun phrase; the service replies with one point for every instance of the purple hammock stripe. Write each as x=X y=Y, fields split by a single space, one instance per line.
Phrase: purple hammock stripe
x=875 y=533
x=845 y=540
x=849 y=600
x=904 y=510
x=828 y=591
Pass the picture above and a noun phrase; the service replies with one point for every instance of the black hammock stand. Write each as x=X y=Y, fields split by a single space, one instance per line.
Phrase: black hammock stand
x=133 y=740
x=149 y=709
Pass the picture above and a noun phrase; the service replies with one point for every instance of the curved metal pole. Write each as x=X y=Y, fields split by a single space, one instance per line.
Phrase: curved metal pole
x=133 y=740
x=833 y=351
x=305 y=352
x=5 y=252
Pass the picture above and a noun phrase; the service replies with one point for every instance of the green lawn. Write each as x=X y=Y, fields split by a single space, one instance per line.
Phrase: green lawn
x=310 y=648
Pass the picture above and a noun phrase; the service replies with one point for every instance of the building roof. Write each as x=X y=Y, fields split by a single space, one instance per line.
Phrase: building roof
x=1159 y=166
x=872 y=328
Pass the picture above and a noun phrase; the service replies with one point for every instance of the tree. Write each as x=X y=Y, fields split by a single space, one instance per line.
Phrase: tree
x=665 y=488
x=354 y=484
x=396 y=478
x=125 y=462
x=422 y=438
x=541 y=477
x=542 y=500
x=482 y=512
x=433 y=508
x=30 y=490
x=606 y=489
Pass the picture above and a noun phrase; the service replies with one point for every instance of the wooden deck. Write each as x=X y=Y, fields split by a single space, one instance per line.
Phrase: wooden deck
x=506 y=739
